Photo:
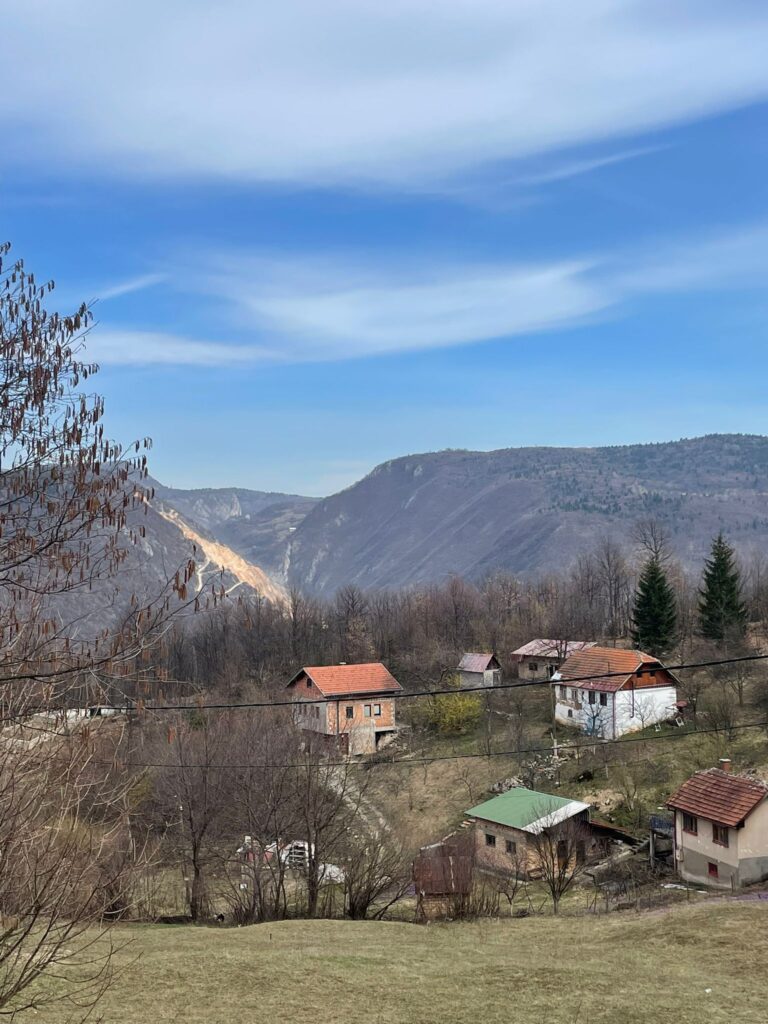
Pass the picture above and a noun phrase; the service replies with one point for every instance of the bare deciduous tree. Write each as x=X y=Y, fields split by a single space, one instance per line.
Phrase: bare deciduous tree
x=71 y=506
x=559 y=851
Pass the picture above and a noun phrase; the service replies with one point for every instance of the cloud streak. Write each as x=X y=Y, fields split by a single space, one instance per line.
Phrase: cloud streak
x=128 y=287
x=344 y=92
x=305 y=311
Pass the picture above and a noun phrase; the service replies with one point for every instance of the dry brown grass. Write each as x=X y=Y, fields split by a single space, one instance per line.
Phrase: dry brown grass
x=691 y=964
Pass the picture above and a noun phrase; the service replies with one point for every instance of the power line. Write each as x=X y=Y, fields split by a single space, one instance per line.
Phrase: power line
x=445 y=691
x=418 y=761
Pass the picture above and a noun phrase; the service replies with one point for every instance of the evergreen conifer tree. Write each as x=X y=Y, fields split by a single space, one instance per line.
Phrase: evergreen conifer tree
x=654 y=616
x=722 y=612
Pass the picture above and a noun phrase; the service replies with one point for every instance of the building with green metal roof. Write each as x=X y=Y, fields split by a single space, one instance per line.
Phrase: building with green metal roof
x=527 y=810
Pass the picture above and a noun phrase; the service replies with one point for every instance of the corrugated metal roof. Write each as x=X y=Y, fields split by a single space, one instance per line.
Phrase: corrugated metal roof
x=552 y=648
x=527 y=810
x=719 y=796
x=477 y=662
x=346 y=680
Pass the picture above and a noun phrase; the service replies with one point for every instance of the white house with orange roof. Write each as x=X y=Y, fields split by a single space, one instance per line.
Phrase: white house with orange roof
x=607 y=691
x=352 y=703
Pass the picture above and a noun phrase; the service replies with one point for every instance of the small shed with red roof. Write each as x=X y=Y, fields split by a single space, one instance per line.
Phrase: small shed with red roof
x=353 y=703
x=721 y=828
x=479 y=670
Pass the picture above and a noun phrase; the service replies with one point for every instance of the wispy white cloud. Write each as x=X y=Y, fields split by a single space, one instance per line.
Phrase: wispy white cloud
x=576 y=168
x=342 y=91
x=307 y=311
x=133 y=284
x=128 y=347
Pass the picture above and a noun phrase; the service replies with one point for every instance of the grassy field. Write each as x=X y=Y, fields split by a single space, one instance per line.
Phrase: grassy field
x=691 y=964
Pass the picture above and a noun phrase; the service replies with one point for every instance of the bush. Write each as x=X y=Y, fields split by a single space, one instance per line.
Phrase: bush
x=450 y=714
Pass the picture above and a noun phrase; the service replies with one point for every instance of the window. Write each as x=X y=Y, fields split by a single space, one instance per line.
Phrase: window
x=690 y=824
x=490 y=840
x=563 y=691
x=367 y=711
x=604 y=700
x=317 y=711
x=720 y=835
x=570 y=713
x=591 y=696
x=309 y=683
x=533 y=666
x=377 y=710
x=712 y=870
x=349 y=712
x=511 y=846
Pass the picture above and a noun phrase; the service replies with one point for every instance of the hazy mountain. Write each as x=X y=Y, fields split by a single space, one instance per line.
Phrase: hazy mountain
x=527 y=510
x=419 y=518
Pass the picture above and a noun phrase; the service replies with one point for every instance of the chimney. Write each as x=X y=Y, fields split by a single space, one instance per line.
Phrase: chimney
x=724 y=764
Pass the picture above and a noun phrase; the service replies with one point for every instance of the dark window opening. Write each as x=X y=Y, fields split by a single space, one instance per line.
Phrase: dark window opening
x=720 y=835
x=490 y=840
x=511 y=846
x=309 y=683
x=533 y=666
x=712 y=870
x=690 y=824
x=604 y=700
x=349 y=712
x=591 y=696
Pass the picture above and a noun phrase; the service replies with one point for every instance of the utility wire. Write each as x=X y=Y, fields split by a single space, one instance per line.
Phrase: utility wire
x=418 y=761
x=444 y=691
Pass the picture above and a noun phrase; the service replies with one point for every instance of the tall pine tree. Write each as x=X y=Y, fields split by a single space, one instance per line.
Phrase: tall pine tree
x=722 y=612
x=654 y=616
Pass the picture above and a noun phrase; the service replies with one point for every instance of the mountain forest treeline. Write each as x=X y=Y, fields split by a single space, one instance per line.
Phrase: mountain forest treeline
x=613 y=594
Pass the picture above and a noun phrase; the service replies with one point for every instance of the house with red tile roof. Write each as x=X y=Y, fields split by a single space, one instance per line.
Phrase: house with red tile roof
x=608 y=691
x=721 y=828
x=353 y=705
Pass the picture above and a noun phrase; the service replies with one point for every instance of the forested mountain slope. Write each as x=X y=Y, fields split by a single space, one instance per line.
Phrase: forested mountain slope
x=528 y=510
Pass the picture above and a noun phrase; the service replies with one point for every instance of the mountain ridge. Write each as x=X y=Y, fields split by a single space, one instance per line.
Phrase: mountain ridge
x=527 y=510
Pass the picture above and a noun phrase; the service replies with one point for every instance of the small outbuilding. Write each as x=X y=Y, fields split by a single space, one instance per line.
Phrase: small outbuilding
x=479 y=670
x=540 y=659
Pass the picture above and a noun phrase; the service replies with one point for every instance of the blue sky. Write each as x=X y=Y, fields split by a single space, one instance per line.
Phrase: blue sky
x=337 y=232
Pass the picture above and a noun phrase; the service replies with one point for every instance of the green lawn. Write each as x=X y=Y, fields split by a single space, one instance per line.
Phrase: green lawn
x=623 y=967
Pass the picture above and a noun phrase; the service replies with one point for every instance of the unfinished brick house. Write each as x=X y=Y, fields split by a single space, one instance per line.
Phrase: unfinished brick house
x=721 y=828
x=352 y=704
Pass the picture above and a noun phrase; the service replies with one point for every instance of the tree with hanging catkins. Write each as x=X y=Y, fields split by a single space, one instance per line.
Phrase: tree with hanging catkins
x=70 y=508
